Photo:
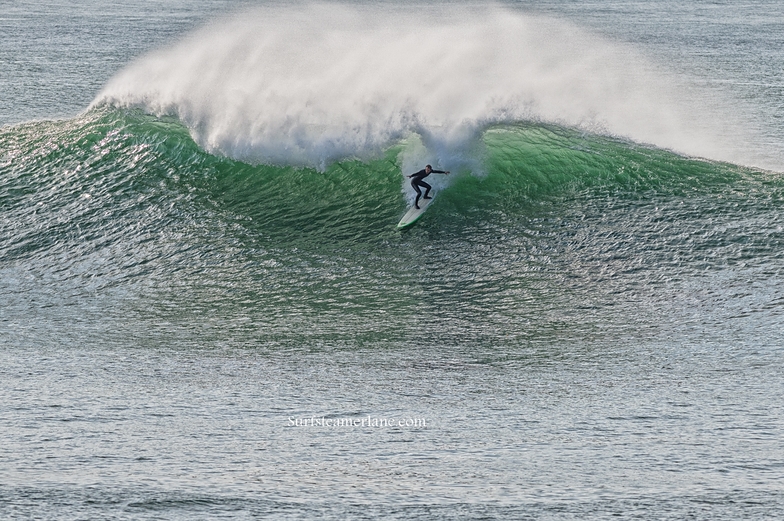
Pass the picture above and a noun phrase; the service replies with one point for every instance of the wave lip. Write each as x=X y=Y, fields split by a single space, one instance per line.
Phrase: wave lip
x=309 y=85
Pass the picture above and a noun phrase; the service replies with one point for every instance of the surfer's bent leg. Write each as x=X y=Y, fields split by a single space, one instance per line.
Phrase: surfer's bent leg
x=427 y=189
x=415 y=184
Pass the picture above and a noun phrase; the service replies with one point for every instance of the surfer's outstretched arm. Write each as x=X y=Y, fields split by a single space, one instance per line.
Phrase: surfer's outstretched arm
x=426 y=172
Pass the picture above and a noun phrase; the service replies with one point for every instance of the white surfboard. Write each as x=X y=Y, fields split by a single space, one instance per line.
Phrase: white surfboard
x=414 y=214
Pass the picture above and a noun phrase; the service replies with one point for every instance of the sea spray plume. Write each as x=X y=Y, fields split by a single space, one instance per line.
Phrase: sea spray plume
x=310 y=84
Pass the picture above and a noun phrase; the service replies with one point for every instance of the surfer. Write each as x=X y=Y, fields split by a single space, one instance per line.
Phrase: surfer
x=417 y=182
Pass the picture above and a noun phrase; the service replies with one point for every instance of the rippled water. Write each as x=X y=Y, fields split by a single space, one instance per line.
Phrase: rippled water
x=547 y=431
x=588 y=328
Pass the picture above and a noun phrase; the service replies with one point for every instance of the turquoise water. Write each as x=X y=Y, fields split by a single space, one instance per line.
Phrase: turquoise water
x=207 y=311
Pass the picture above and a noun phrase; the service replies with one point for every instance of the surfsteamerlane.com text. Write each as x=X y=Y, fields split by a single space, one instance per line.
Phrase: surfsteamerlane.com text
x=368 y=421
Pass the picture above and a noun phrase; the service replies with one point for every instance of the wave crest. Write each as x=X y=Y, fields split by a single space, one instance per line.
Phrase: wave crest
x=310 y=84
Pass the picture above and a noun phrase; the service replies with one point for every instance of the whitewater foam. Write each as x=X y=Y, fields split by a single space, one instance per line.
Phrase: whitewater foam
x=310 y=84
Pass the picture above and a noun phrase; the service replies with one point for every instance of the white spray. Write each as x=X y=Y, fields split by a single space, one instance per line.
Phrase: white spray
x=311 y=84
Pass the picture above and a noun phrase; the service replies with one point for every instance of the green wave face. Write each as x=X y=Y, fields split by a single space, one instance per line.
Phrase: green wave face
x=558 y=231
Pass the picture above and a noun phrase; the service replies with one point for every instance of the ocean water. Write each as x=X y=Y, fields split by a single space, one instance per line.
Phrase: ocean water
x=206 y=310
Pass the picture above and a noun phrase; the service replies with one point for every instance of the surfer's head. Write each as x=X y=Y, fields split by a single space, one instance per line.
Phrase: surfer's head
x=428 y=169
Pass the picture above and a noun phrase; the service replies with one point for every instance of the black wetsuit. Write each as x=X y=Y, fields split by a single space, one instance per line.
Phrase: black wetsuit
x=417 y=181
